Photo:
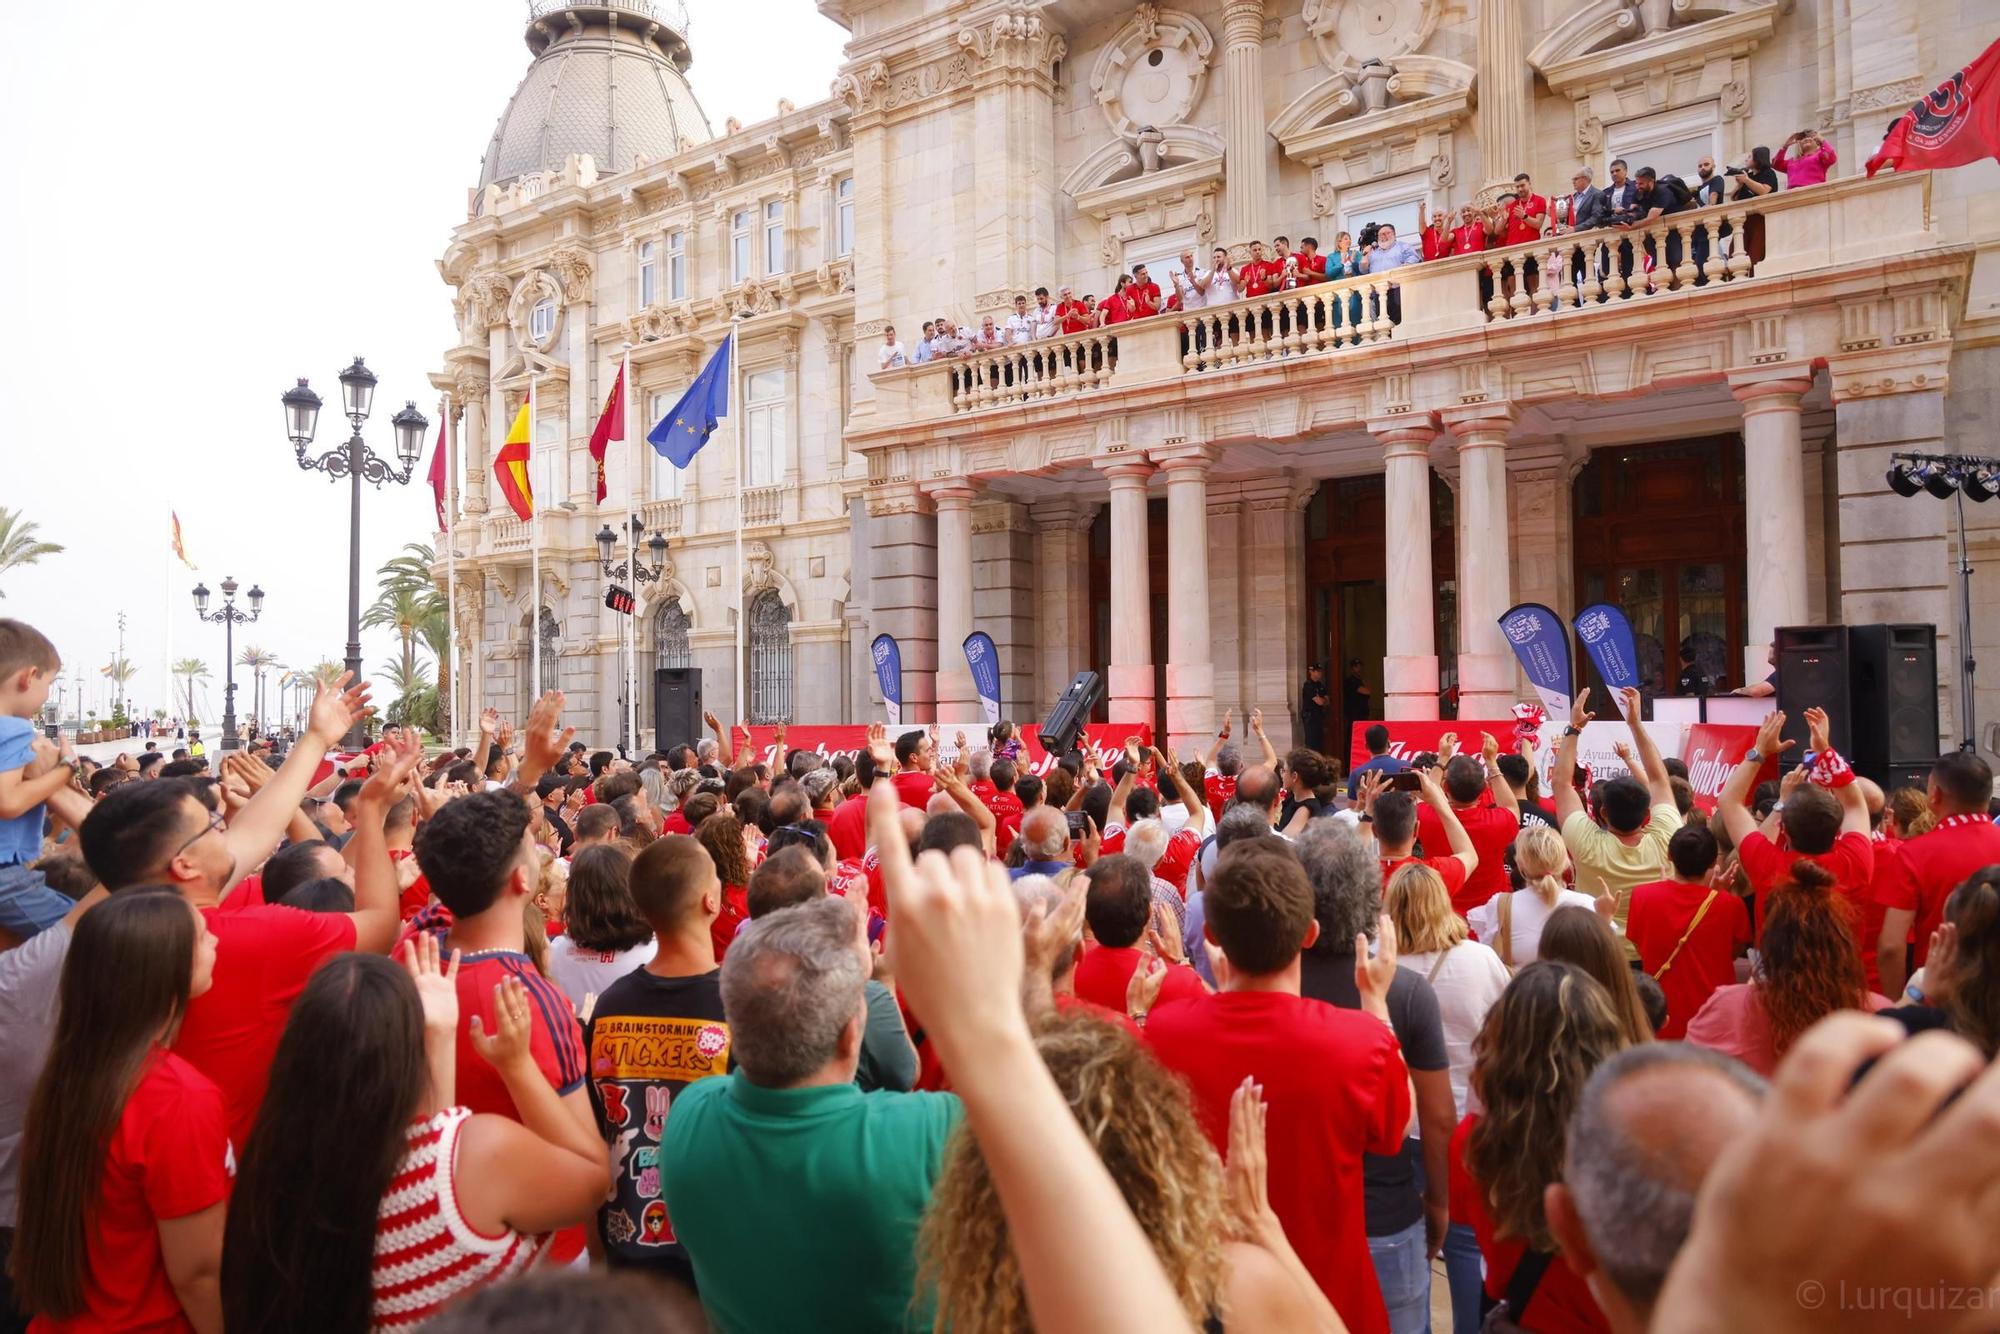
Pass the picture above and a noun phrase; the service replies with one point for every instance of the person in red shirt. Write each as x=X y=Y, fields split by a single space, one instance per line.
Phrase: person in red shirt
x=1334 y=1077
x=847 y=827
x=1073 y=316
x=1002 y=800
x=1487 y=810
x=1394 y=816
x=1255 y=277
x=1828 y=826
x=152 y=1129
x=163 y=832
x=1930 y=866
x=916 y=755
x=1119 y=908
x=1117 y=308
x=1223 y=763
x=1142 y=294
x=722 y=835
x=1312 y=264
x=1435 y=230
x=1524 y=214
x=1538 y=1045
x=1471 y=234
x=1689 y=930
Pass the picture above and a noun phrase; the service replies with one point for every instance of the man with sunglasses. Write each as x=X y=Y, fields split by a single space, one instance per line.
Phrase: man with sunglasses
x=172 y=832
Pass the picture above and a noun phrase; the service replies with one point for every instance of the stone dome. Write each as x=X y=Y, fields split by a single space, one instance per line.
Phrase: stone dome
x=609 y=79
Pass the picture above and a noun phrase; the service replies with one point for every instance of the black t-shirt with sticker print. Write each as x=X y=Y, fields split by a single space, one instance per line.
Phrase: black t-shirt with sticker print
x=648 y=1038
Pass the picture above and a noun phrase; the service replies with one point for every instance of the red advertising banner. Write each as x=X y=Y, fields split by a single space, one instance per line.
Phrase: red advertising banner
x=1107 y=739
x=1711 y=751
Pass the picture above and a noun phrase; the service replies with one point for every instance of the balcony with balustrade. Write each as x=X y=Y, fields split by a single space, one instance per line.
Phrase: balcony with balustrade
x=1805 y=252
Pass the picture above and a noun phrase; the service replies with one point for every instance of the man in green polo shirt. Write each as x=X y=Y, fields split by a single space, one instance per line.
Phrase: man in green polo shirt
x=797 y=1195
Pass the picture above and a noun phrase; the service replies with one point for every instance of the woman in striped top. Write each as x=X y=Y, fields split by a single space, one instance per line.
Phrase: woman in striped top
x=432 y=1201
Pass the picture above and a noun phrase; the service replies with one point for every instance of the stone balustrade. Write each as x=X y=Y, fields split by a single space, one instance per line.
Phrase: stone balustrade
x=662 y=517
x=1458 y=302
x=763 y=506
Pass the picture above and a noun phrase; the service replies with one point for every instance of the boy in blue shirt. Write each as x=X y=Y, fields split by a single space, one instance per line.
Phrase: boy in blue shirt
x=29 y=665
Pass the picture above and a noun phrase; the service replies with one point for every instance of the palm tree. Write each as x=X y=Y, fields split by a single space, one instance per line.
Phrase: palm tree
x=257 y=660
x=326 y=672
x=410 y=570
x=190 y=670
x=416 y=699
x=18 y=543
x=121 y=672
x=408 y=598
x=435 y=632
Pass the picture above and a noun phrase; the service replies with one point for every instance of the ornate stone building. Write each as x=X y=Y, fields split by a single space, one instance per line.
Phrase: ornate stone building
x=1694 y=424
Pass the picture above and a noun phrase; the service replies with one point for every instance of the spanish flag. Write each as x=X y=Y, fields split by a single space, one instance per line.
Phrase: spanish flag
x=180 y=550
x=510 y=465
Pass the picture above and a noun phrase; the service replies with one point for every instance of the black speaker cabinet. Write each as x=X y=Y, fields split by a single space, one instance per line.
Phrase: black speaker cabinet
x=1878 y=685
x=676 y=706
x=1066 y=720
x=1813 y=670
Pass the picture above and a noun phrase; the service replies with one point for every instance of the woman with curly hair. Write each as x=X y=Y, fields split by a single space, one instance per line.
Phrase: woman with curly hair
x=1549 y=1030
x=1213 y=1230
x=1580 y=936
x=1808 y=966
x=722 y=835
x=603 y=936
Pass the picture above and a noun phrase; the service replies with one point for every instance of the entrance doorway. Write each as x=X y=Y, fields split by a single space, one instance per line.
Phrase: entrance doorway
x=1100 y=609
x=1659 y=533
x=1347 y=599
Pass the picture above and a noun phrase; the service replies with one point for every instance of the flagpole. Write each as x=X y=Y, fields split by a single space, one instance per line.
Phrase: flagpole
x=534 y=556
x=451 y=566
x=631 y=548
x=167 y=613
x=736 y=410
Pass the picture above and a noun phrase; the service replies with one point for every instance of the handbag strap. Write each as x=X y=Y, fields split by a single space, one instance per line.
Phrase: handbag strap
x=1432 y=976
x=1699 y=913
x=1527 y=1277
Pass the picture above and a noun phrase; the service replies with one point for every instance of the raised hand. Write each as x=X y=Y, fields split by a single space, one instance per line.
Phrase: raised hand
x=1048 y=932
x=543 y=743
x=1819 y=730
x=1427 y=785
x=1624 y=754
x=714 y=723
x=437 y=988
x=1245 y=1172
x=1578 y=714
x=1631 y=705
x=396 y=761
x=506 y=1046
x=1371 y=786
x=489 y=722
x=1163 y=936
x=336 y=706
x=1257 y=722
x=1144 y=988
x=1607 y=908
x=1134 y=760
x=1373 y=976
x=1768 y=743
x=1489 y=748
x=1447 y=747
x=1227 y=714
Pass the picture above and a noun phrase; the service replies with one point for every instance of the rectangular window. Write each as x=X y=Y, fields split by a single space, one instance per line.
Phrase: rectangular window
x=1393 y=200
x=767 y=418
x=649 y=273
x=542 y=320
x=677 y=279
x=1670 y=142
x=774 y=237
x=739 y=245
x=668 y=481
x=545 y=464
x=843 y=216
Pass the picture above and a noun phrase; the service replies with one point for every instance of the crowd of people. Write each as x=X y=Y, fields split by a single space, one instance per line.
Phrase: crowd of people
x=529 y=1036
x=1515 y=216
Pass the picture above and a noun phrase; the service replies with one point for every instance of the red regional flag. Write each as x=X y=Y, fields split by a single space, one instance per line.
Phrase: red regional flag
x=610 y=426
x=437 y=478
x=1957 y=122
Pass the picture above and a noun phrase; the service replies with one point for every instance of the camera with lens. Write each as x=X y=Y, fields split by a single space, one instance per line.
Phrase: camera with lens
x=1370 y=234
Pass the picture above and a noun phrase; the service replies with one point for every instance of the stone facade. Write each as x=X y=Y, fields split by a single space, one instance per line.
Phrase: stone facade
x=987 y=148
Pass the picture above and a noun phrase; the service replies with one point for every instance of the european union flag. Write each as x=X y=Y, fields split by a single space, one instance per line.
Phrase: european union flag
x=685 y=429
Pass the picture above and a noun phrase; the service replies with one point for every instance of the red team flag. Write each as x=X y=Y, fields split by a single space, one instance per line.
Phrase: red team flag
x=180 y=550
x=610 y=426
x=1957 y=122
x=437 y=478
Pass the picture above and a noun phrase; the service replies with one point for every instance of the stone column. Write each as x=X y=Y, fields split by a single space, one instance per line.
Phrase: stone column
x=1506 y=94
x=1131 y=685
x=1013 y=224
x=1410 y=668
x=1774 y=505
x=1005 y=565
x=475 y=459
x=1190 y=655
x=1273 y=586
x=1485 y=564
x=1246 y=187
x=957 y=701
x=1062 y=593
x=903 y=591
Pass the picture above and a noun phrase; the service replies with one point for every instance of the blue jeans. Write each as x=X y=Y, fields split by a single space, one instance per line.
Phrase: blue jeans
x=28 y=906
x=1404 y=1272
x=1462 y=1270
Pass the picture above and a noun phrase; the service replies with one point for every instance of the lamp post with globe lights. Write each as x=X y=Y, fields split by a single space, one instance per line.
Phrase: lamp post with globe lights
x=229 y=617
x=640 y=574
x=357 y=462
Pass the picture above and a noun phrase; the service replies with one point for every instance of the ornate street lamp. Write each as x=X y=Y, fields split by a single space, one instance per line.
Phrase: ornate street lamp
x=230 y=618
x=356 y=461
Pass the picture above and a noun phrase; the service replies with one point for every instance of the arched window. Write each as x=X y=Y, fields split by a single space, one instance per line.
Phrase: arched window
x=670 y=636
x=770 y=659
x=551 y=661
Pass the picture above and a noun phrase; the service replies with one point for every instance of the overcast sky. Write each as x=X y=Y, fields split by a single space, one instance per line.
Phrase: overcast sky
x=205 y=205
